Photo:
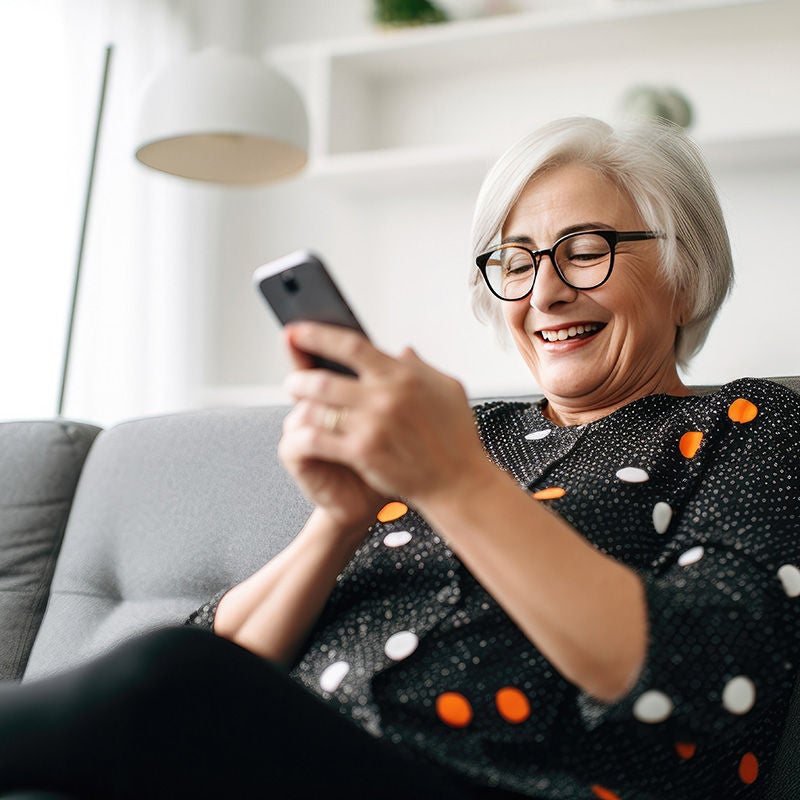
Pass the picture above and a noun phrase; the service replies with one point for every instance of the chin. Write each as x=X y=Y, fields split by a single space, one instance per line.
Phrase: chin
x=566 y=384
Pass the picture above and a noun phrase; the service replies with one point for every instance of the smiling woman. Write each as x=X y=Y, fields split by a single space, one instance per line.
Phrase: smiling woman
x=630 y=323
x=655 y=175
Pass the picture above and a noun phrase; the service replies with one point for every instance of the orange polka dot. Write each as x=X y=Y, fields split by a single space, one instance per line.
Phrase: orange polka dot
x=685 y=750
x=513 y=705
x=392 y=511
x=603 y=793
x=741 y=410
x=690 y=443
x=748 y=768
x=454 y=709
x=550 y=493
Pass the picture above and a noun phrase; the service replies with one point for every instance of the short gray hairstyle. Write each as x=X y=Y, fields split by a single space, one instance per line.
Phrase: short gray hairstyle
x=662 y=171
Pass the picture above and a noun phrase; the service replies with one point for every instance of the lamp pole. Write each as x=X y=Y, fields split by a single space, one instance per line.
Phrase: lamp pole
x=82 y=240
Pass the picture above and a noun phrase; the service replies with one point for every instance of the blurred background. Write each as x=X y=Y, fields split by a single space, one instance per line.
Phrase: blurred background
x=407 y=103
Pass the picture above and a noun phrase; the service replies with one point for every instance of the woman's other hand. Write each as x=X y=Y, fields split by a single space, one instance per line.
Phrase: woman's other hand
x=330 y=486
x=401 y=429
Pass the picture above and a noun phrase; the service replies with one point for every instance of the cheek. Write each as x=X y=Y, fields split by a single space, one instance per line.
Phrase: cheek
x=514 y=315
x=645 y=318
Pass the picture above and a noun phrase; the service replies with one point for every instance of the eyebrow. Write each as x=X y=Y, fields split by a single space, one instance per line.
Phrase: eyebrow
x=581 y=226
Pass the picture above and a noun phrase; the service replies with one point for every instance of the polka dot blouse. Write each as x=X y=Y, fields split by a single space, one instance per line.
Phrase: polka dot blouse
x=701 y=497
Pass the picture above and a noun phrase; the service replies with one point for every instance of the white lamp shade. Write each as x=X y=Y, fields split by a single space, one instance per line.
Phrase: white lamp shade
x=223 y=117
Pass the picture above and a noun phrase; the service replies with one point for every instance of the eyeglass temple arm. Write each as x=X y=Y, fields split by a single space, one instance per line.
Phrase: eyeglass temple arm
x=634 y=236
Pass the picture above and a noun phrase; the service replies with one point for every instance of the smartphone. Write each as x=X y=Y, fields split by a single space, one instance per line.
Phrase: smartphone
x=298 y=287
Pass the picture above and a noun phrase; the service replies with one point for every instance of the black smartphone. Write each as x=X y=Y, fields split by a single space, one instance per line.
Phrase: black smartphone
x=298 y=287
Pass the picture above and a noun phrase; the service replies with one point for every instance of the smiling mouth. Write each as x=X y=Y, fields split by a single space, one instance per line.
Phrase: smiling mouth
x=573 y=332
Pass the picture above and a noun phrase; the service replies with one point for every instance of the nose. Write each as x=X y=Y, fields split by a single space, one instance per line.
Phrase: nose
x=548 y=288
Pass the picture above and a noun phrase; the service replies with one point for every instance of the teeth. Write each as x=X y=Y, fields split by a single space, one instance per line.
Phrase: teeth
x=566 y=333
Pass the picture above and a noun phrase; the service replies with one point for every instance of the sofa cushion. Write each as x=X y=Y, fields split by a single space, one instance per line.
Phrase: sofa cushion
x=41 y=462
x=169 y=510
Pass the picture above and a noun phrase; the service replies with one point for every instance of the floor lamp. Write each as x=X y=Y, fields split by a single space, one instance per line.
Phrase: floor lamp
x=82 y=240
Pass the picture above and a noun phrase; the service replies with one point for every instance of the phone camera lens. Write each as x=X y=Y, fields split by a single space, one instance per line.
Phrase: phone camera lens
x=290 y=283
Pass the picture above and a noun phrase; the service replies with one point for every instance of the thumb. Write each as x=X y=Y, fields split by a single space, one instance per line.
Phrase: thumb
x=409 y=355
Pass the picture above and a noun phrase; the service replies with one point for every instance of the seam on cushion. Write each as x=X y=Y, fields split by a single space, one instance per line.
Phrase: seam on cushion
x=82 y=593
x=118 y=598
x=39 y=504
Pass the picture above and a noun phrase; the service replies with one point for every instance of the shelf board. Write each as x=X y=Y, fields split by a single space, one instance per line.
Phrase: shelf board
x=391 y=52
x=448 y=164
x=405 y=165
x=753 y=150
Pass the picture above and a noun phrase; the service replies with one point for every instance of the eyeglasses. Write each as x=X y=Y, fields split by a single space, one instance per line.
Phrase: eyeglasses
x=583 y=260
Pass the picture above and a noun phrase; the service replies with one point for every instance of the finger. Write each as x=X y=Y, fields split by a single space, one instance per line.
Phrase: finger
x=333 y=419
x=323 y=386
x=300 y=359
x=299 y=416
x=309 y=442
x=339 y=344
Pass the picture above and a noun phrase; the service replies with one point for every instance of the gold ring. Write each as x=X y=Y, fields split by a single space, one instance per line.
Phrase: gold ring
x=333 y=418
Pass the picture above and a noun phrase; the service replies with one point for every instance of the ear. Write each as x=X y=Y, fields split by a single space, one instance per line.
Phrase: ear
x=681 y=309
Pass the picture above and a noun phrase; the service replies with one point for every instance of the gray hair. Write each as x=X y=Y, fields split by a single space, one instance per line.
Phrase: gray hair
x=662 y=171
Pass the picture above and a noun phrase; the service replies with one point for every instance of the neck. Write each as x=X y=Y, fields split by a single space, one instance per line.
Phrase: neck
x=568 y=411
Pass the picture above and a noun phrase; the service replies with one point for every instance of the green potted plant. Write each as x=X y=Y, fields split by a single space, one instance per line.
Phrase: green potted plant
x=406 y=12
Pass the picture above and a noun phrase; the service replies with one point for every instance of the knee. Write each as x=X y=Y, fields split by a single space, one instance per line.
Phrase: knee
x=159 y=659
x=174 y=649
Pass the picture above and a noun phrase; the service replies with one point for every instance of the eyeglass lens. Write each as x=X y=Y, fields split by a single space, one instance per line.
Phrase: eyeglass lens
x=584 y=261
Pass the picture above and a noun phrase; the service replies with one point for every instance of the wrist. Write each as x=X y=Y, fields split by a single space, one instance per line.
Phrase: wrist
x=473 y=484
x=342 y=532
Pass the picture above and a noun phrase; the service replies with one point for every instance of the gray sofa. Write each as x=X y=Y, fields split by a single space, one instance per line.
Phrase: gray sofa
x=107 y=534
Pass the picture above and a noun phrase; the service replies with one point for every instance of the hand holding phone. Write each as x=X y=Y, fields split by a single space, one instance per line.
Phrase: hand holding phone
x=298 y=287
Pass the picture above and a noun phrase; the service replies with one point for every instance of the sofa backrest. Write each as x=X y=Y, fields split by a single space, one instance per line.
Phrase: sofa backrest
x=168 y=510
x=40 y=462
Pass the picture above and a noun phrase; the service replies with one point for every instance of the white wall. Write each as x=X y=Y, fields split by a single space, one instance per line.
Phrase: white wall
x=168 y=315
x=756 y=332
x=402 y=253
x=133 y=348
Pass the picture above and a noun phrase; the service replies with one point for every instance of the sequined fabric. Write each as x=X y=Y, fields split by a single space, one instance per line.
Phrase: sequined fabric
x=701 y=497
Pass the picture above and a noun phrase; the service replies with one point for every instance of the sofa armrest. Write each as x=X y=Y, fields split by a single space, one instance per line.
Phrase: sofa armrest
x=41 y=463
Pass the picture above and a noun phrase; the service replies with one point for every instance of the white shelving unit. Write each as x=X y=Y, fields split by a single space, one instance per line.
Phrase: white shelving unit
x=405 y=123
x=441 y=101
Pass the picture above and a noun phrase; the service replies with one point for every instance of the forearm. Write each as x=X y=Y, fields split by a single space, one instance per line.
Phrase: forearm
x=272 y=611
x=584 y=611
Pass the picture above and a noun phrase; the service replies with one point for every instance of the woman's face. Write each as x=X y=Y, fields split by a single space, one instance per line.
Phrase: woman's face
x=631 y=352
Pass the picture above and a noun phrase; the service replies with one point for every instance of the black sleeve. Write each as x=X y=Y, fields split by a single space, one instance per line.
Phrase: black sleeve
x=723 y=598
x=204 y=616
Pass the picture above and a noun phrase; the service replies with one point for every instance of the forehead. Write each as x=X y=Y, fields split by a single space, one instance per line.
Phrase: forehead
x=569 y=195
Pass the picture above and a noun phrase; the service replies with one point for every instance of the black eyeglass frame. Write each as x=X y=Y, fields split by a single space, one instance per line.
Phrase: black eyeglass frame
x=611 y=236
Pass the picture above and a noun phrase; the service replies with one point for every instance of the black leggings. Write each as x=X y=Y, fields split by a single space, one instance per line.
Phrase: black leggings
x=183 y=713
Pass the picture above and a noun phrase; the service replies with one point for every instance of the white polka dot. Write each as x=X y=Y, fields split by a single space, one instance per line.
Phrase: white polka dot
x=739 y=695
x=538 y=434
x=790 y=578
x=691 y=556
x=401 y=645
x=397 y=538
x=332 y=676
x=662 y=516
x=653 y=706
x=632 y=475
